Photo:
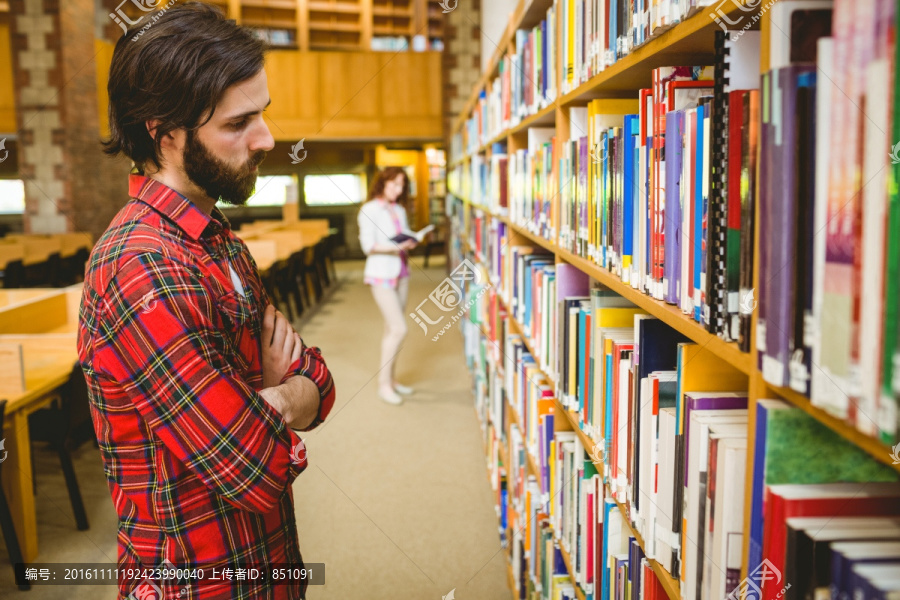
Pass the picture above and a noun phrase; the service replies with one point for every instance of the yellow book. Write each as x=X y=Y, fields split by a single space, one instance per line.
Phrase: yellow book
x=605 y=317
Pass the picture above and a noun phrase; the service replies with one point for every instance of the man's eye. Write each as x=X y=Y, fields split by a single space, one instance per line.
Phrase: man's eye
x=239 y=124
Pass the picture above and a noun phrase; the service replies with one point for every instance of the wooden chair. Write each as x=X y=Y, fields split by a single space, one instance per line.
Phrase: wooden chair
x=6 y=522
x=13 y=274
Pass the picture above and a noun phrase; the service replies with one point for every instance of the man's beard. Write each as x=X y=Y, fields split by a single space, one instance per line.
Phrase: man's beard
x=218 y=179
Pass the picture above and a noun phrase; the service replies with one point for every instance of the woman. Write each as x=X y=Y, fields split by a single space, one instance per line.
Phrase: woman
x=381 y=218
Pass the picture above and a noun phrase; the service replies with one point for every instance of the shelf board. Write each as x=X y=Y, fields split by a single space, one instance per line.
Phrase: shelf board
x=405 y=13
x=342 y=27
x=333 y=8
x=517 y=21
x=391 y=30
x=269 y=23
x=689 y=42
x=333 y=46
x=543 y=117
x=879 y=450
x=670 y=314
x=511 y=577
x=669 y=583
x=568 y=560
x=279 y=4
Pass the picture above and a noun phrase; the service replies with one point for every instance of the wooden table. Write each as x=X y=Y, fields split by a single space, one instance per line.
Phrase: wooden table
x=271 y=247
x=48 y=353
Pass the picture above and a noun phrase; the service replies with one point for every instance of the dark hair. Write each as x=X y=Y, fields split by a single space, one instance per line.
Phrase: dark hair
x=385 y=175
x=174 y=65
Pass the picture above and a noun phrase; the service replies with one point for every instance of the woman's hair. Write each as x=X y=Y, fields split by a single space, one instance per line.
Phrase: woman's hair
x=174 y=65
x=385 y=175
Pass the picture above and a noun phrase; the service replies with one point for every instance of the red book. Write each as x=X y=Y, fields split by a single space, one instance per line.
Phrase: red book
x=818 y=500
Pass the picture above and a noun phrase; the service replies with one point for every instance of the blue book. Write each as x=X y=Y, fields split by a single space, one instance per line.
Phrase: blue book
x=698 y=212
x=632 y=127
x=757 y=491
x=580 y=379
x=609 y=505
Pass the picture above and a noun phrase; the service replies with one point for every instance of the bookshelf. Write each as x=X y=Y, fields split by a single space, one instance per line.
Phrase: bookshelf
x=341 y=25
x=689 y=42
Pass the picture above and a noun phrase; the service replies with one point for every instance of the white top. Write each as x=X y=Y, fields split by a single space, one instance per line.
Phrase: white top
x=377 y=226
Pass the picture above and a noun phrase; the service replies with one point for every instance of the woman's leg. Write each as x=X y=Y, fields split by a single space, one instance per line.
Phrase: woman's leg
x=402 y=295
x=395 y=329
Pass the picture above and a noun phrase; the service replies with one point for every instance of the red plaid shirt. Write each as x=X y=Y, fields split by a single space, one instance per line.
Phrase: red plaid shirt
x=198 y=464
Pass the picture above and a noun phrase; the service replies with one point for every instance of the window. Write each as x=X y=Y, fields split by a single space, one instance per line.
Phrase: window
x=334 y=190
x=12 y=196
x=271 y=190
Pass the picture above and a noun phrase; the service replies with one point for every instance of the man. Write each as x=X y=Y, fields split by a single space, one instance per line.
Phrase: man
x=196 y=382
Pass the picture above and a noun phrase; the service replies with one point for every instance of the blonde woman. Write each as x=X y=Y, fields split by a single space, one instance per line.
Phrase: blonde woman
x=382 y=217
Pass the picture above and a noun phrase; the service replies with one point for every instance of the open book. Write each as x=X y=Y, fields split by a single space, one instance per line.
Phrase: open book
x=412 y=235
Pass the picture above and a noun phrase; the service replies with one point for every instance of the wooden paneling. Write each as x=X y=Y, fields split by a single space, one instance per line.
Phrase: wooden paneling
x=337 y=95
x=7 y=95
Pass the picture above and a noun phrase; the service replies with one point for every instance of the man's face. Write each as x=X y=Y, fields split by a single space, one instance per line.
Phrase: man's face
x=221 y=158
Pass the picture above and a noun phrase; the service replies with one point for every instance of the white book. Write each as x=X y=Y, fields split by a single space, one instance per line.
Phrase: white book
x=695 y=492
x=707 y=581
x=877 y=146
x=824 y=392
x=665 y=495
x=729 y=517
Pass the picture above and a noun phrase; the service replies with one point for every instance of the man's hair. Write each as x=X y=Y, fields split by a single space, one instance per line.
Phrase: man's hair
x=174 y=70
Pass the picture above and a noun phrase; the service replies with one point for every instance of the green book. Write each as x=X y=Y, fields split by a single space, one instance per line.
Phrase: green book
x=800 y=449
x=889 y=391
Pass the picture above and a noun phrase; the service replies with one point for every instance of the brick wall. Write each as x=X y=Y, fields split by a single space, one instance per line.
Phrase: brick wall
x=69 y=183
x=461 y=59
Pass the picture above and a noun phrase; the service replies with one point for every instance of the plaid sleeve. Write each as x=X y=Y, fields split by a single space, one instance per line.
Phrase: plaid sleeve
x=160 y=341
x=312 y=365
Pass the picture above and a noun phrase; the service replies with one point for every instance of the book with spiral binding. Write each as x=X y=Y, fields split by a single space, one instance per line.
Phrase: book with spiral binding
x=736 y=69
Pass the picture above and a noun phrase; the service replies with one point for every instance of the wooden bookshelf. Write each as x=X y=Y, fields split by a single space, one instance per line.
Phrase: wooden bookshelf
x=568 y=560
x=671 y=315
x=688 y=42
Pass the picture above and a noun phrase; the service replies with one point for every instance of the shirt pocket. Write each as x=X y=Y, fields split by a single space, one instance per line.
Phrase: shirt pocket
x=237 y=319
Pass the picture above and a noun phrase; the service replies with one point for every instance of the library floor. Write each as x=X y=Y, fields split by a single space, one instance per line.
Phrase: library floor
x=396 y=501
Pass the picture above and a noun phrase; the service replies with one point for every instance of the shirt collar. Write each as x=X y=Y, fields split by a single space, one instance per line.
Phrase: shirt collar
x=177 y=208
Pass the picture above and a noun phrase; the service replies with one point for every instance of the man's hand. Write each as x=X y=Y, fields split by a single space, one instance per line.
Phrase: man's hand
x=280 y=344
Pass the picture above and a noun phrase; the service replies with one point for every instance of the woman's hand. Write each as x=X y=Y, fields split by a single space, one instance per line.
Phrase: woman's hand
x=408 y=245
x=280 y=344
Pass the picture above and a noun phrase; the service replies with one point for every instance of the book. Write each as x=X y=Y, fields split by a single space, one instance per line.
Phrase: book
x=416 y=236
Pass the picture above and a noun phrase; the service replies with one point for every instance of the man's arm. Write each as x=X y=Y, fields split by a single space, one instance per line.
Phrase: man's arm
x=297 y=400
x=162 y=348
